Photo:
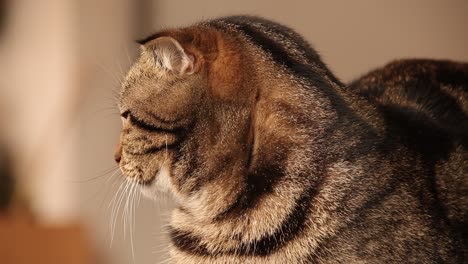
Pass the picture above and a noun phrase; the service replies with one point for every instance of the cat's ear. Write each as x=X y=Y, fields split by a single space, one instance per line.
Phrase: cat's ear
x=170 y=55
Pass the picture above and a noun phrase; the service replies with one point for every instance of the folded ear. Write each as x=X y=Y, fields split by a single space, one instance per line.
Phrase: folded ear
x=169 y=54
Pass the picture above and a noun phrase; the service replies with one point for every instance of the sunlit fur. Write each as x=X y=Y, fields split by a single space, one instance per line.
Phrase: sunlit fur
x=273 y=160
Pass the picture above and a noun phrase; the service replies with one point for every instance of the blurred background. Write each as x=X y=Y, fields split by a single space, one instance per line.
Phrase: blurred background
x=61 y=62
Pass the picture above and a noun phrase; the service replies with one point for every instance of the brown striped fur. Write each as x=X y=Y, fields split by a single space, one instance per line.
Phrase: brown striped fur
x=273 y=160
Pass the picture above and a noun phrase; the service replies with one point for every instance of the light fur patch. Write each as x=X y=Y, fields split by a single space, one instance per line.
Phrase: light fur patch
x=160 y=185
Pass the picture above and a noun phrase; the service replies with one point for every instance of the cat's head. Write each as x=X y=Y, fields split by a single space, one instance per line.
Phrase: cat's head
x=222 y=108
x=186 y=110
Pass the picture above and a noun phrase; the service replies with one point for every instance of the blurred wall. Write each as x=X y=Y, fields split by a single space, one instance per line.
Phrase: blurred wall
x=38 y=103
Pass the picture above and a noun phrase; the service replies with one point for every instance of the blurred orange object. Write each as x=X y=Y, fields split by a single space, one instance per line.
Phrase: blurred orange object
x=22 y=241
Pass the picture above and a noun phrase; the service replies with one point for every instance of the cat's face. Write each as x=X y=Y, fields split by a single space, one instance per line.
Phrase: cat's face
x=172 y=121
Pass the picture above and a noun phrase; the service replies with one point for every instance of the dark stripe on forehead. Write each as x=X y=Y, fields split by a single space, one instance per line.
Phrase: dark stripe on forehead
x=252 y=28
x=282 y=32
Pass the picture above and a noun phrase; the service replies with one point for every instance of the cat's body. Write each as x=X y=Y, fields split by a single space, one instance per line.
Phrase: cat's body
x=273 y=160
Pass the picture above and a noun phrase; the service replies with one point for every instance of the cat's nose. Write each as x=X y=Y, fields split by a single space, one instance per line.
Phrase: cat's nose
x=118 y=153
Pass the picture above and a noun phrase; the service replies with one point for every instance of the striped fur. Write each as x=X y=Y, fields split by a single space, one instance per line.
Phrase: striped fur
x=273 y=160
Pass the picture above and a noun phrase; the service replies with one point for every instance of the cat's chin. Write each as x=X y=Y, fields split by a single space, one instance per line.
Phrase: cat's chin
x=160 y=185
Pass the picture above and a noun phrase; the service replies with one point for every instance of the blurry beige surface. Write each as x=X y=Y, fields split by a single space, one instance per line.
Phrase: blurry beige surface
x=59 y=54
x=38 y=89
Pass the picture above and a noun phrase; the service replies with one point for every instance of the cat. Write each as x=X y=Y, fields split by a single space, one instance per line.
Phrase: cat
x=273 y=160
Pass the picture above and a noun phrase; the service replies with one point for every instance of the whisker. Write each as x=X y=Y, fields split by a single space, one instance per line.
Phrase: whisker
x=97 y=192
x=122 y=73
x=161 y=251
x=114 y=77
x=113 y=204
x=132 y=218
x=117 y=209
x=112 y=185
x=128 y=55
x=135 y=195
x=104 y=173
x=139 y=198
x=166 y=261
x=125 y=211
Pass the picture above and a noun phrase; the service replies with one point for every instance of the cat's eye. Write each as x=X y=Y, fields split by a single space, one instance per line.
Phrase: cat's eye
x=125 y=114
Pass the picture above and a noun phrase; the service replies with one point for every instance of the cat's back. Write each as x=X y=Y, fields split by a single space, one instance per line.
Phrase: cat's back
x=434 y=92
x=425 y=106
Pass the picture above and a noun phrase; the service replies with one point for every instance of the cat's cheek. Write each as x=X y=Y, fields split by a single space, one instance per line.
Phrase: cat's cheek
x=161 y=184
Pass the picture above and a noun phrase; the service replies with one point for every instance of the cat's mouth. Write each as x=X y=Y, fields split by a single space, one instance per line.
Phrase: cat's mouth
x=144 y=169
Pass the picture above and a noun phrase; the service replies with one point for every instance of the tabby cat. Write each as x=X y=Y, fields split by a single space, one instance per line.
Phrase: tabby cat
x=273 y=160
